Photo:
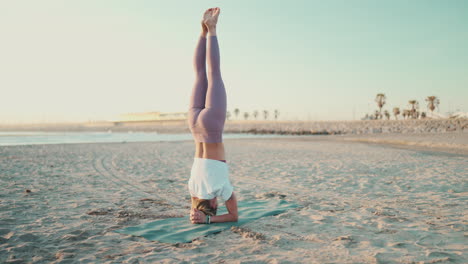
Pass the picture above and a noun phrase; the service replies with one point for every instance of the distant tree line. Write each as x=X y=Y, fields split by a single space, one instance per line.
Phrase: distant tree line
x=412 y=112
x=255 y=114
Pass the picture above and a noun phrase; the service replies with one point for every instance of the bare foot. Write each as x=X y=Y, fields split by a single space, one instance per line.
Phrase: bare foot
x=207 y=15
x=211 y=19
x=204 y=27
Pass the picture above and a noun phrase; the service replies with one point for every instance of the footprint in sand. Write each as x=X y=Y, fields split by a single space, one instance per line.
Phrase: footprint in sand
x=270 y=195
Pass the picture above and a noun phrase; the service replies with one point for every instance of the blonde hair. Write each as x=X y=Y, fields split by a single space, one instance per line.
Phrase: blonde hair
x=204 y=206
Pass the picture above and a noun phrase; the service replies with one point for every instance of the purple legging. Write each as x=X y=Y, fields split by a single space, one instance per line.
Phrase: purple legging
x=207 y=108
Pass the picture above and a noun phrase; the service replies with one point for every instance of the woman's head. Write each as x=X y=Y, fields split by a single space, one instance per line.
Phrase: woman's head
x=208 y=207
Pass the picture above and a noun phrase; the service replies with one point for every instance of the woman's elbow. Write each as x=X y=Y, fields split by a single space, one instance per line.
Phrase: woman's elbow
x=235 y=218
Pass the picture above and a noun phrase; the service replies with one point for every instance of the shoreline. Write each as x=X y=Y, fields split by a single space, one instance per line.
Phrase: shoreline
x=448 y=142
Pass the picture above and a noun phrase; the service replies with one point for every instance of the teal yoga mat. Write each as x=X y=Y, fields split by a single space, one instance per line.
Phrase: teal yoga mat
x=181 y=230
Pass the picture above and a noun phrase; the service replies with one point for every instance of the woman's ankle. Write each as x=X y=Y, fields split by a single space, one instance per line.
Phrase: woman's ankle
x=212 y=31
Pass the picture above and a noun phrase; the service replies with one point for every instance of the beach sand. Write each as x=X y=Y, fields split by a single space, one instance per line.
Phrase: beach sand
x=360 y=202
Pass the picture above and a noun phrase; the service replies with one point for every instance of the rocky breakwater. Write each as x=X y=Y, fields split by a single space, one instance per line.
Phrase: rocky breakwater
x=347 y=127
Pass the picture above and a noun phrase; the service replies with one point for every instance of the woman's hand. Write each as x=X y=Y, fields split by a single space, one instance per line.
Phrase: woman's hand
x=197 y=216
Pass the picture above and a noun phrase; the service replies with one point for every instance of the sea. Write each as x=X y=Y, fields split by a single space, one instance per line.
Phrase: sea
x=35 y=138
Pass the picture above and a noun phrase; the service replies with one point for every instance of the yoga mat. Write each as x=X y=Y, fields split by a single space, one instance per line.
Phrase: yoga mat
x=181 y=230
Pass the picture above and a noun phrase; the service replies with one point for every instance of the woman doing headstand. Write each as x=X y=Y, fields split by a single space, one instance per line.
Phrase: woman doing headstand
x=209 y=177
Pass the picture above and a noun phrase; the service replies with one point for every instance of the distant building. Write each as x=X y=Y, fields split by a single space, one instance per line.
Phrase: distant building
x=152 y=116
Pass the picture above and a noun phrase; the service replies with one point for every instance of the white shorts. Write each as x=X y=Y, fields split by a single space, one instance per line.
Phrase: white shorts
x=209 y=179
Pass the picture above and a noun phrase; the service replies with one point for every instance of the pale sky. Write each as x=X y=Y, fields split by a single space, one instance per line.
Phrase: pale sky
x=93 y=60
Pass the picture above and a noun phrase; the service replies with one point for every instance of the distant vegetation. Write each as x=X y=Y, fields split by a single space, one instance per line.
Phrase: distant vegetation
x=412 y=112
x=255 y=114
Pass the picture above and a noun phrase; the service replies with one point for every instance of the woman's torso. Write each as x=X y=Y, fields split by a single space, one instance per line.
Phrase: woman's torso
x=210 y=150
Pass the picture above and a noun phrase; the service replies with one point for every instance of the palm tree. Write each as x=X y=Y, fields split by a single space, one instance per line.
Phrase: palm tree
x=387 y=114
x=414 y=107
x=414 y=104
x=255 y=114
x=406 y=113
x=376 y=114
x=380 y=100
x=432 y=102
x=423 y=115
x=276 y=114
x=246 y=115
x=396 y=112
x=265 y=114
x=236 y=112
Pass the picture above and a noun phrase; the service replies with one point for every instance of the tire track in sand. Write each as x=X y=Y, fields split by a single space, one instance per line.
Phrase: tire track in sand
x=109 y=165
x=101 y=169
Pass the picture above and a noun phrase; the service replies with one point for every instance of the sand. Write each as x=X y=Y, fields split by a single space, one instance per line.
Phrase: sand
x=455 y=142
x=360 y=202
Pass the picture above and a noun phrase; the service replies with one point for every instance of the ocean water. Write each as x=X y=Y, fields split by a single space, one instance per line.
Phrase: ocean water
x=34 y=138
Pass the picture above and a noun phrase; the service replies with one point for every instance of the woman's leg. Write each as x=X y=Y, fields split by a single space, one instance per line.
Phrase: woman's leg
x=216 y=94
x=198 y=96
x=214 y=115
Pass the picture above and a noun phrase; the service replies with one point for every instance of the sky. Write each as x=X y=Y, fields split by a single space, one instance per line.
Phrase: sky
x=92 y=60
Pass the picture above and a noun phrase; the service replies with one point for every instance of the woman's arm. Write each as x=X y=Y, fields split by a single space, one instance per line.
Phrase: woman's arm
x=198 y=217
x=231 y=216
